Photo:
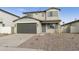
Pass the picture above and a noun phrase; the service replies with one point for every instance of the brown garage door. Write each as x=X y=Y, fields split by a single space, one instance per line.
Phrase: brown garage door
x=26 y=28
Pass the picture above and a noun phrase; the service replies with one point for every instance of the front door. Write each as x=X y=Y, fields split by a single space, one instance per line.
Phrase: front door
x=43 y=27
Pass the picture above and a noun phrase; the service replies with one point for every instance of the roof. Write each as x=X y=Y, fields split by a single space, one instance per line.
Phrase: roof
x=26 y=17
x=43 y=21
x=9 y=13
x=70 y=22
x=54 y=8
x=33 y=12
x=50 y=21
x=41 y=11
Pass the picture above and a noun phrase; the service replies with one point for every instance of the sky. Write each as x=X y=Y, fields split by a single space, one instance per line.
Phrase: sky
x=67 y=14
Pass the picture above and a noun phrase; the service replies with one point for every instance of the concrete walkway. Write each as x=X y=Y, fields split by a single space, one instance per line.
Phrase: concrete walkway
x=14 y=40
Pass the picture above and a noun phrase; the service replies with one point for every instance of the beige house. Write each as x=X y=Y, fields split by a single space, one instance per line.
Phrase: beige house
x=71 y=27
x=38 y=21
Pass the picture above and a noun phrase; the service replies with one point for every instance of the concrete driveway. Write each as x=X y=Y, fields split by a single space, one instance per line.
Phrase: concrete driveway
x=14 y=40
x=18 y=49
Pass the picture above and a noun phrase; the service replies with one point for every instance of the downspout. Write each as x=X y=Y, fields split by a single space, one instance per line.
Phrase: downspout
x=45 y=16
x=45 y=20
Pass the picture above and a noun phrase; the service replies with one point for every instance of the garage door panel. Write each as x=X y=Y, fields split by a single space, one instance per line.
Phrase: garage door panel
x=26 y=28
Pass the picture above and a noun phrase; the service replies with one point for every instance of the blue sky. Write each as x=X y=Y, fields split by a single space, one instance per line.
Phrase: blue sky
x=67 y=14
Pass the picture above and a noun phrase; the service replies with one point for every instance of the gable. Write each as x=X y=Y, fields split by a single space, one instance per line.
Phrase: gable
x=26 y=17
x=26 y=20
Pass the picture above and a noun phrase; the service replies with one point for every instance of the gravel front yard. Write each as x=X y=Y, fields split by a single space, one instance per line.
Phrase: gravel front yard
x=53 y=42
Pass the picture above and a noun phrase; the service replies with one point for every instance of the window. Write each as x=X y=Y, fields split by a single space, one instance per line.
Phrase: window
x=53 y=13
x=50 y=14
x=52 y=26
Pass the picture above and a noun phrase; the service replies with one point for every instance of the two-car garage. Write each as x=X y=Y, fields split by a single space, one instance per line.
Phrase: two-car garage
x=27 y=25
x=26 y=28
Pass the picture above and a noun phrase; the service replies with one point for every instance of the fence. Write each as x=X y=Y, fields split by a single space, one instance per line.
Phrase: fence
x=5 y=30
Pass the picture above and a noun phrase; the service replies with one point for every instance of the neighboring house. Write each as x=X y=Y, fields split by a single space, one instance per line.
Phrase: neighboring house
x=6 y=21
x=6 y=18
x=38 y=21
x=71 y=27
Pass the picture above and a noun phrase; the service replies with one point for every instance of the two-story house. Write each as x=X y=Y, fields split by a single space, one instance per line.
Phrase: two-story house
x=38 y=21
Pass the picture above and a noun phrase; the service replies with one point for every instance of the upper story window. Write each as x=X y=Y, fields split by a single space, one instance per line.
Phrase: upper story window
x=52 y=14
